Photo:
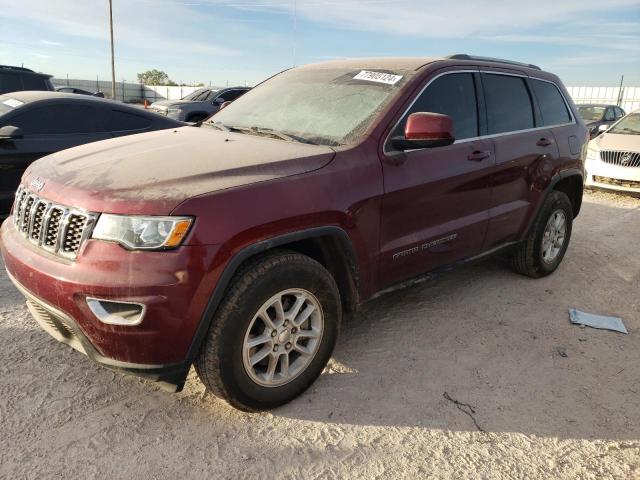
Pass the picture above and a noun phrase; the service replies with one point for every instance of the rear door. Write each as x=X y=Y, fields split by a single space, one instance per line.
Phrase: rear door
x=525 y=151
x=46 y=129
x=436 y=200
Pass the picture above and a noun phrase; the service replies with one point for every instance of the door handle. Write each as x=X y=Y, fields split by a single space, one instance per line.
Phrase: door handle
x=544 y=142
x=478 y=155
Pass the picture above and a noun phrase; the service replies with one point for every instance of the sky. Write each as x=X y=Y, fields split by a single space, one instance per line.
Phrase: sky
x=585 y=42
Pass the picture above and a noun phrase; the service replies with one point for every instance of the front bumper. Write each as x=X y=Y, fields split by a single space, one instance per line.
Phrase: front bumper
x=64 y=329
x=173 y=285
x=612 y=177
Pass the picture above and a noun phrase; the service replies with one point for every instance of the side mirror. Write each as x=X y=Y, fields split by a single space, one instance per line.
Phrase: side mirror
x=10 y=132
x=99 y=94
x=219 y=101
x=603 y=128
x=426 y=130
x=225 y=105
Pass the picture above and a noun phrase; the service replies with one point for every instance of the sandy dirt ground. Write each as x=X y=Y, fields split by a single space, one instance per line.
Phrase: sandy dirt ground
x=482 y=334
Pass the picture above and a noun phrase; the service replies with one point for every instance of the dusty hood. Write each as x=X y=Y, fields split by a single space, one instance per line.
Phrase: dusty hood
x=616 y=141
x=152 y=173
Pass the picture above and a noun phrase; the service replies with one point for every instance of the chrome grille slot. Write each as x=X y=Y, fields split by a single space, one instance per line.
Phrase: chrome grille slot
x=73 y=234
x=58 y=229
x=52 y=228
x=621 y=158
x=26 y=213
x=37 y=214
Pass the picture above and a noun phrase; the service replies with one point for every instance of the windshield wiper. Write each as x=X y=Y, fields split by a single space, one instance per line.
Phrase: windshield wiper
x=281 y=135
x=218 y=125
x=263 y=131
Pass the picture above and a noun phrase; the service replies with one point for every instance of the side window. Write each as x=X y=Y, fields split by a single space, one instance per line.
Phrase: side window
x=34 y=82
x=453 y=94
x=609 y=115
x=232 y=95
x=122 y=121
x=60 y=119
x=552 y=106
x=619 y=113
x=508 y=102
x=10 y=82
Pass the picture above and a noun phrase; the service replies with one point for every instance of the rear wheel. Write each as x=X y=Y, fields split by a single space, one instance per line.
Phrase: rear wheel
x=543 y=250
x=273 y=333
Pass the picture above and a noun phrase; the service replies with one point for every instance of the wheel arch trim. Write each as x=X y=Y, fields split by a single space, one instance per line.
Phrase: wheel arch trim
x=252 y=250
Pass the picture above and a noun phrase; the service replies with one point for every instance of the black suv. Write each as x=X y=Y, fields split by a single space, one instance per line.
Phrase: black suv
x=17 y=79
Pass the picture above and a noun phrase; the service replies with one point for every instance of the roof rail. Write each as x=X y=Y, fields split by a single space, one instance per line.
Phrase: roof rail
x=22 y=69
x=464 y=56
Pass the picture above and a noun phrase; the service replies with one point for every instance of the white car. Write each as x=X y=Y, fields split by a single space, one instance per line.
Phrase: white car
x=613 y=158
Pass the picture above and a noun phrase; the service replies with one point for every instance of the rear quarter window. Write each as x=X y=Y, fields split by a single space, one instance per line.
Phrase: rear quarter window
x=509 y=106
x=552 y=105
x=35 y=82
x=124 y=121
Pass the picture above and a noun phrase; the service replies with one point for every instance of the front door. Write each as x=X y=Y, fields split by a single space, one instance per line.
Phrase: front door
x=436 y=200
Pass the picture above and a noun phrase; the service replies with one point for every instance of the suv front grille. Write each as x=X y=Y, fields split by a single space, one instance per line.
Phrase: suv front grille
x=55 y=228
x=621 y=158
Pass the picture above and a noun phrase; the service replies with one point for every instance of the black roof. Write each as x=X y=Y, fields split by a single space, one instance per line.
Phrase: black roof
x=31 y=97
x=12 y=69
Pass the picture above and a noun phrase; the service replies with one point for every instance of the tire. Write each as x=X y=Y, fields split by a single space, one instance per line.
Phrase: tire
x=224 y=361
x=531 y=258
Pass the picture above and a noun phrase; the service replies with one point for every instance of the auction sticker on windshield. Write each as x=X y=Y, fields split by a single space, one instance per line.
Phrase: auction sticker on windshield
x=379 y=77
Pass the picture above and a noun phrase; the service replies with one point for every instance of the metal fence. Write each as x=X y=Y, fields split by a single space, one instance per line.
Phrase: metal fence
x=628 y=98
x=129 y=92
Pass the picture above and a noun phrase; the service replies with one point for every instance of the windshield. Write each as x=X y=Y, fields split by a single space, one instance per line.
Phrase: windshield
x=193 y=95
x=591 y=113
x=328 y=106
x=629 y=125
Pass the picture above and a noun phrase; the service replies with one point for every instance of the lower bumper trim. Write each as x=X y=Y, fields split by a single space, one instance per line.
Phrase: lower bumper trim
x=63 y=328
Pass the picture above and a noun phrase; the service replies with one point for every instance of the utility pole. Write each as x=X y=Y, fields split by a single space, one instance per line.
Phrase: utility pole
x=620 y=92
x=113 y=61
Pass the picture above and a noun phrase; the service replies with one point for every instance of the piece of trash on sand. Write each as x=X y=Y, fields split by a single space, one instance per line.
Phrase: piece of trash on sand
x=562 y=351
x=597 y=321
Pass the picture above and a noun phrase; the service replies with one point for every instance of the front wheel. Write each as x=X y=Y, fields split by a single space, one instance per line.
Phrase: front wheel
x=273 y=333
x=543 y=250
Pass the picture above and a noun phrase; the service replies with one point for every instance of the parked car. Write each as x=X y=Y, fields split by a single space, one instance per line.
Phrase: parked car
x=17 y=79
x=35 y=124
x=197 y=105
x=239 y=246
x=79 y=91
x=595 y=115
x=613 y=158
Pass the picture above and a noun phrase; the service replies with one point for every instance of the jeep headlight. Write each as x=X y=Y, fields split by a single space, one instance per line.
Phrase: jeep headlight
x=142 y=233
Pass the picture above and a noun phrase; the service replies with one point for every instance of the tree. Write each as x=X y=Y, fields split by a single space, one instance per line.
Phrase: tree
x=154 y=77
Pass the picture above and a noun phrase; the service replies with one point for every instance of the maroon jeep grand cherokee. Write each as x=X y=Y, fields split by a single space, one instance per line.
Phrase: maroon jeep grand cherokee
x=239 y=245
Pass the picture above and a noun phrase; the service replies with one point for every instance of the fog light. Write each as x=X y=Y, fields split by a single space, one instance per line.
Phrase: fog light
x=116 y=313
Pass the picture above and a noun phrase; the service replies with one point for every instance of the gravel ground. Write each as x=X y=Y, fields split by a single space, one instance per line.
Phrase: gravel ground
x=485 y=336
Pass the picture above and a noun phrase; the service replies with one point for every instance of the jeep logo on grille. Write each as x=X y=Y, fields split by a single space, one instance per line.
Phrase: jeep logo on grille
x=626 y=159
x=37 y=184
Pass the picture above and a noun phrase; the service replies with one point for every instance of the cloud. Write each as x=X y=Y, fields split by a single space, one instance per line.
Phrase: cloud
x=140 y=24
x=431 y=18
x=50 y=43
